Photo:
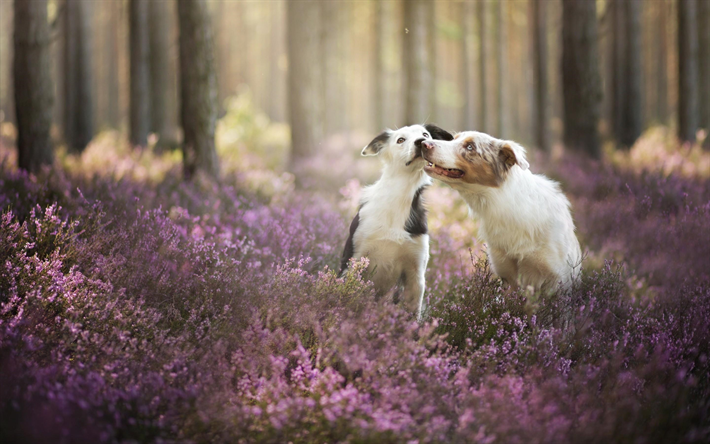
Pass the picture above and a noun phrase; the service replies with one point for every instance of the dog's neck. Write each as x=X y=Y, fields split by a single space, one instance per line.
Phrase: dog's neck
x=486 y=201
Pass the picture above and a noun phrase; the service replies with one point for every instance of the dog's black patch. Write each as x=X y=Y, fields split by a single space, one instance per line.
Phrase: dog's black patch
x=349 y=249
x=438 y=133
x=416 y=224
x=377 y=143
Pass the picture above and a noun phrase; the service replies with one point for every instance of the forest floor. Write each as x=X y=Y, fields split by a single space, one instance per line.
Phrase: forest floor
x=137 y=307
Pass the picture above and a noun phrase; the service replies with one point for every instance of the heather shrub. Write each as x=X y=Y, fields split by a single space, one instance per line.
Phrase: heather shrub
x=139 y=308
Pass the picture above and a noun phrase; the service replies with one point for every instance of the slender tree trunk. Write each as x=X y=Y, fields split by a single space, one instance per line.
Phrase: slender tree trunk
x=330 y=65
x=467 y=63
x=198 y=89
x=632 y=114
x=305 y=85
x=6 y=78
x=482 y=59
x=417 y=62
x=139 y=72
x=704 y=67
x=581 y=81
x=501 y=74
x=540 y=109
x=159 y=50
x=78 y=101
x=618 y=100
x=379 y=74
x=33 y=84
x=687 y=70
x=662 y=63
x=433 y=114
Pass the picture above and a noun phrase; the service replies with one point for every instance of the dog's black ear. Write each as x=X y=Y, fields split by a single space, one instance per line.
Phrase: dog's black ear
x=373 y=148
x=438 y=133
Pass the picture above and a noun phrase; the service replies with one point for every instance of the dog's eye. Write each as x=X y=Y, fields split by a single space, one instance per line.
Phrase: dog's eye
x=426 y=135
x=469 y=146
x=401 y=140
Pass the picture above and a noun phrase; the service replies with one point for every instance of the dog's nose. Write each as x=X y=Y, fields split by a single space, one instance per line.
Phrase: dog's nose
x=428 y=145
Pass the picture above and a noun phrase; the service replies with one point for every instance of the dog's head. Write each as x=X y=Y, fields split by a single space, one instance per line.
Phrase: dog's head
x=473 y=158
x=403 y=147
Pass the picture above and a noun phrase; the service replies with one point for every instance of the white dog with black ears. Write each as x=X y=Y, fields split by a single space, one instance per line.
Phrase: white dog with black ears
x=525 y=217
x=390 y=228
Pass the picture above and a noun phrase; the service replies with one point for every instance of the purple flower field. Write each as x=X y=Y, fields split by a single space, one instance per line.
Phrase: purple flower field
x=152 y=310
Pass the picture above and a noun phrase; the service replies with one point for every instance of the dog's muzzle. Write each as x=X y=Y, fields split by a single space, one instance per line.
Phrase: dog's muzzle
x=417 y=150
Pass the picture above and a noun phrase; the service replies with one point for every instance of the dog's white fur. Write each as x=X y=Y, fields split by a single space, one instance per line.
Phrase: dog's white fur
x=379 y=230
x=525 y=217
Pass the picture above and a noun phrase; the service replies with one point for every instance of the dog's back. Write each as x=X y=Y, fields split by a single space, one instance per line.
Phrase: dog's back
x=525 y=218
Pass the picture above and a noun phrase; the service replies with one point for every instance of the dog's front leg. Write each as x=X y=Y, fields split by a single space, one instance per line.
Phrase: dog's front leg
x=415 y=281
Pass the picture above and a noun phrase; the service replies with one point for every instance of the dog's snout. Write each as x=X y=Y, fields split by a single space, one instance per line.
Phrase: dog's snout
x=428 y=145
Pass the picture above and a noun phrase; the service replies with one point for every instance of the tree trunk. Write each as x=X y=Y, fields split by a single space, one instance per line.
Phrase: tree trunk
x=305 y=85
x=704 y=67
x=501 y=80
x=78 y=102
x=159 y=49
x=662 y=63
x=433 y=114
x=482 y=83
x=581 y=81
x=687 y=70
x=139 y=72
x=33 y=84
x=378 y=73
x=198 y=88
x=618 y=66
x=467 y=63
x=114 y=103
x=330 y=64
x=540 y=108
x=632 y=115
x=6 y=78
x=417 y=62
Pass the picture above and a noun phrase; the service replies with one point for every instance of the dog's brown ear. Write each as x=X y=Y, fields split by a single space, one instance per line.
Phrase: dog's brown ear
x=510 y=153
x=438 y=133
x=373 y=148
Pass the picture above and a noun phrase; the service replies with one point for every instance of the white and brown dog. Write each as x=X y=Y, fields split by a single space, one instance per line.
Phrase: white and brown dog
x=525 y=218
x=390 y=228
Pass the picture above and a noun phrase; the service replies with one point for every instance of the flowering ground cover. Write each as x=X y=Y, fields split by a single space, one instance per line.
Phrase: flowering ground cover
x=138 y=308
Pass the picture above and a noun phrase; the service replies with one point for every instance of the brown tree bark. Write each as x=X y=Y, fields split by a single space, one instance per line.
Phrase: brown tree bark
x=631 y=111
x=416 y=62
x=662 y=63
x=331 y=65
x=78 y=100
x=34 y=95
x=482 y=62
x=618 y=37
x=159 y=48
x=139 y=113
x=198 y=89
x=687 y=70
x=378 y=70
x=581 y=81
x=540 y=109
x=305 y=85
x=501 y=81
x=704 y=67
x=467 y=63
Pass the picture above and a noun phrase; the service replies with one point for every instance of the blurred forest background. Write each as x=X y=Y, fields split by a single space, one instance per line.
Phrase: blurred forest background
x=344 y=70
x=137 y=306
